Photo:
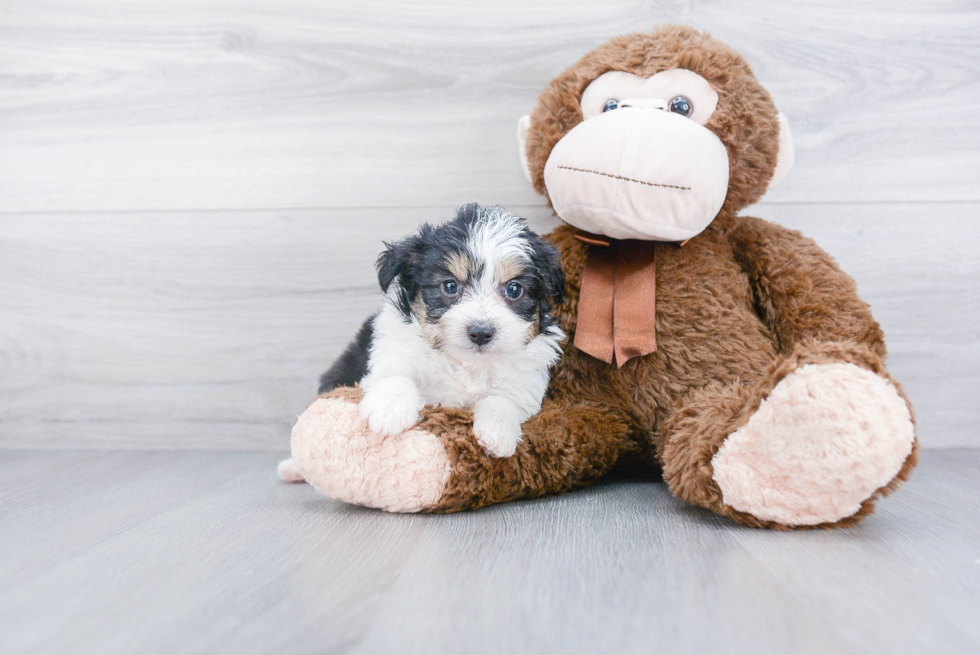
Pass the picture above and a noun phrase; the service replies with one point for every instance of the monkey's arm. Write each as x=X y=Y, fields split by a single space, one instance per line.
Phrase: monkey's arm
x=800 y=292
x=438 y=466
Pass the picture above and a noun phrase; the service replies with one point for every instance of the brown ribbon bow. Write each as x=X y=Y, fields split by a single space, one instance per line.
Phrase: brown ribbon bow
x=617 y=306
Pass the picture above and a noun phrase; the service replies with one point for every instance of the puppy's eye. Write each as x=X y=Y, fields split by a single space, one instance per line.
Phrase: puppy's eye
x=611 y=104
x=682 y=105
x=513 y=290
x=450 y=287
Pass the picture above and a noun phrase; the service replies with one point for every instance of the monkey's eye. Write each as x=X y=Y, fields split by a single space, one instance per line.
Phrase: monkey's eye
x=513 y=290
x=682 y=105
x=450 y=287
x=611 y=104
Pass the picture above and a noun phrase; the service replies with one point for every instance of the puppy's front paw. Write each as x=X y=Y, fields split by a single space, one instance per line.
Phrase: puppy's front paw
x=497 y=426
x=391 y=407
x=388 y=415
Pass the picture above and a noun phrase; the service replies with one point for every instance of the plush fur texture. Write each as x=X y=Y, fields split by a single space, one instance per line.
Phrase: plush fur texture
x=572 y=444
x=741 y=308
x=707 y=416
x=825 y=439
x=404 y=474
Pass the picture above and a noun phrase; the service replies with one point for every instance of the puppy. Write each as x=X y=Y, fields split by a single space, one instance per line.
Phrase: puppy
x=467 y=323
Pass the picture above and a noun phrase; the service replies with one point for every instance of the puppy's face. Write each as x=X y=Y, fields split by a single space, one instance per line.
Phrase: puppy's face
x=481 y=284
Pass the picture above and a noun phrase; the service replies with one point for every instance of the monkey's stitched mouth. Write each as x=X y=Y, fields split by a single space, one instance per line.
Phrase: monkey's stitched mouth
x=626 y=179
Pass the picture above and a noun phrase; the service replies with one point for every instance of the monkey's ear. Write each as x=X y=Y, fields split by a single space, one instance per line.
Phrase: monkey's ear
x=523 y=125
x=786 y=155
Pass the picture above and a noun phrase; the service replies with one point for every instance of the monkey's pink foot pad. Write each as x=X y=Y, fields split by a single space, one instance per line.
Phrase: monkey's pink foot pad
x=826 y=439
x=338 y=454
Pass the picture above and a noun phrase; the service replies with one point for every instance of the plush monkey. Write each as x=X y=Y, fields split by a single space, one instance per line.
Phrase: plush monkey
x=730 y=353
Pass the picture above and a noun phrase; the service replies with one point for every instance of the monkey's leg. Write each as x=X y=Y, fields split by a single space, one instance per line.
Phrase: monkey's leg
x=813 y=444
x=438 y=466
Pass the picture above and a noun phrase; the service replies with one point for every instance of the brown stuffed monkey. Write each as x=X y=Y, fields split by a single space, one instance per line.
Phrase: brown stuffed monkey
x=729 y=352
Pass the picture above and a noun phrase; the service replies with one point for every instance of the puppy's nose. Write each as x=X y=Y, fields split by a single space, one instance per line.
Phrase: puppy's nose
x=480 y=333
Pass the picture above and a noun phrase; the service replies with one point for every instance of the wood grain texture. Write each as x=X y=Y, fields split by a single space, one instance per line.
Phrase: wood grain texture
x=154 y=293
x=126 y=552
x=209 y=330
x=232 y=104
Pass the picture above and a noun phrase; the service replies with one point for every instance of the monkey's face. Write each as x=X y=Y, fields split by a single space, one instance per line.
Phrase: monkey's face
x=653 y=155
x=641 y=164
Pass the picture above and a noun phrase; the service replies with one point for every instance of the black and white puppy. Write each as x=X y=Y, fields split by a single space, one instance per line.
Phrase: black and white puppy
x=467 y=323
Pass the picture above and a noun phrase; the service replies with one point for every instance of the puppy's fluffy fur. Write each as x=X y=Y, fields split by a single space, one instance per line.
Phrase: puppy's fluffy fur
x=467 y=322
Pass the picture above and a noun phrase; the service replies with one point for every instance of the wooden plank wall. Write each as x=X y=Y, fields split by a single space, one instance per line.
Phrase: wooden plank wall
x=192 y=192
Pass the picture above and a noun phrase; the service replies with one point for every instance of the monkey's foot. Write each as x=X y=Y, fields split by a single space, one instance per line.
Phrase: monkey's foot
x=339 y=455
x=825 y=440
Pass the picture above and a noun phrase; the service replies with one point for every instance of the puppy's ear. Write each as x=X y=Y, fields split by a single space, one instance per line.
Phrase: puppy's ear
x=548 y=263
x=397 y=258
x=390 y=264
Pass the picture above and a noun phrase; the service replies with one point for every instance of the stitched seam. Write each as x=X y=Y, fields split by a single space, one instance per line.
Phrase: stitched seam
x=626 y=179
x=619 y=167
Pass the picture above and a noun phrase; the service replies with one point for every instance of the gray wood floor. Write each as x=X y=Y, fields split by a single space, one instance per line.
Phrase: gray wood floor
x=204 y=552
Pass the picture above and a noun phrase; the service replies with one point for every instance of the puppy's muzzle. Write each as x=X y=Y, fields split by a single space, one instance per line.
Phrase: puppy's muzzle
x=480 y=333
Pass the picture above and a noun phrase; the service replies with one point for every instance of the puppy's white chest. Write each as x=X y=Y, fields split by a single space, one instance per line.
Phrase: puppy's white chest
x=455 y=385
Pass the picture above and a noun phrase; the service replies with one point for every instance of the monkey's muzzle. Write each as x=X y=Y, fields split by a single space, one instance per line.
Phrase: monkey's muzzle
x=638 y=173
